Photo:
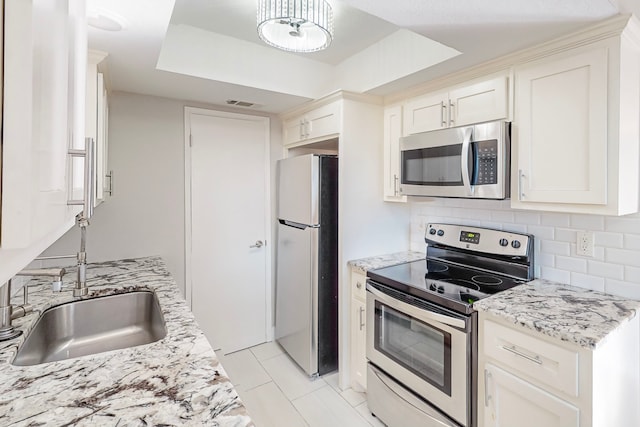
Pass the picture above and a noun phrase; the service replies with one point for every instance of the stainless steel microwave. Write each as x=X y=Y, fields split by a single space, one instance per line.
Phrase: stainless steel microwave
x=466 y=161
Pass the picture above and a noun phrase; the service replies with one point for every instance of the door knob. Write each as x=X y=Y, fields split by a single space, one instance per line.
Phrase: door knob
x=258 y=244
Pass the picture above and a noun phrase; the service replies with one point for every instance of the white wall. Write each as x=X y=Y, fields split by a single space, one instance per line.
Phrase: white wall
x=614 y=268
x=145 y=216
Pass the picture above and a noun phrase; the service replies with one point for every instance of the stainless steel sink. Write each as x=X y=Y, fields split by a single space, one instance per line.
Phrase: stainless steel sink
x=91 y=326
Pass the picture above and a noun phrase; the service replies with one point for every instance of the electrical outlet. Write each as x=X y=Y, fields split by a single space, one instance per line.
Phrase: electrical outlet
x=584 y=243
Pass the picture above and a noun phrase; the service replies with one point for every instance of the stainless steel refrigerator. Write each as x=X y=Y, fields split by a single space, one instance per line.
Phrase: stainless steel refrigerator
x=307 y=262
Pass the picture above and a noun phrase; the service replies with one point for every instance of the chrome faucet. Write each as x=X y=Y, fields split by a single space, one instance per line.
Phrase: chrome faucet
x=55 y=274
x=10 y=312
x=80 y=289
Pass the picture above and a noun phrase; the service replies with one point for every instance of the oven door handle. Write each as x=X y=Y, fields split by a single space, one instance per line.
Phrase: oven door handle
x=416 y=312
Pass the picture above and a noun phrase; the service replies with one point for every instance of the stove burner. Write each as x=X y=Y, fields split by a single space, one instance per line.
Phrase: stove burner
x=487 y=280
x=436 y=267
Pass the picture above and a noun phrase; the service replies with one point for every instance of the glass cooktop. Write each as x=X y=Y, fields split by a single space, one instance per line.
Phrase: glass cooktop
x=452 y=286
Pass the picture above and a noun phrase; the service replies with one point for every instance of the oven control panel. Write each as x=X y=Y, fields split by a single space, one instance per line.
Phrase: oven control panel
x=479 y=239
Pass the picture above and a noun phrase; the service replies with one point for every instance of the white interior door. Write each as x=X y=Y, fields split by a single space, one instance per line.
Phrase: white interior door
x=229 y=201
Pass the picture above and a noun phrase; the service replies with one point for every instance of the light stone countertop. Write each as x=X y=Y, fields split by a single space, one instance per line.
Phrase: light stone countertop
x=364 y=264
x=576 y=315
x=176 y=381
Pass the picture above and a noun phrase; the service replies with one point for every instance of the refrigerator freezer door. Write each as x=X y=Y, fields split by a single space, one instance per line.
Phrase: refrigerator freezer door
x=296 y=295
x=298 y=187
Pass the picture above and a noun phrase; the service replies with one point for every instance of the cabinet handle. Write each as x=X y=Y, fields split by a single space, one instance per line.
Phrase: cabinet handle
x=361 y=312
x=443 y=120
x=487 y=396
x=395 y=185
x=308 y=128
x=89 y=154
x=451 y=115
x=302 y=129
x=513 y=350
x=109 y=189
x=521 y=176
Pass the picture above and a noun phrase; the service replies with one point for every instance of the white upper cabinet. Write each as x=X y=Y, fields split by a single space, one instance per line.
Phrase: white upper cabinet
x=317 y=124
x=462 y=105
x=96 y=122
x=43 y=44
x=575 y=134
x=392 y=134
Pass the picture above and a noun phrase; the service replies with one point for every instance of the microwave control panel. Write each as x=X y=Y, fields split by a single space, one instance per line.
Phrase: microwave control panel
x=486 y=162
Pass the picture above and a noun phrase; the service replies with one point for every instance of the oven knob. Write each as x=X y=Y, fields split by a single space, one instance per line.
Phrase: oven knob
x=441 y=289
x=504 y=242
x=440 y=232
x=432 y=287
x=515 y=244
x=432 y=231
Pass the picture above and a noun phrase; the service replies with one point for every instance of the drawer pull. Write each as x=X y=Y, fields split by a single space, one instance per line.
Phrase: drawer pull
x=513 y=350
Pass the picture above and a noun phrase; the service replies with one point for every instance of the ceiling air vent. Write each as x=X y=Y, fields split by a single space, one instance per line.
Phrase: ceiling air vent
x=241 y=103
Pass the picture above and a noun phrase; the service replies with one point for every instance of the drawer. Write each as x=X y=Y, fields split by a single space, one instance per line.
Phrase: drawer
x=358 y=286
x=532 y=357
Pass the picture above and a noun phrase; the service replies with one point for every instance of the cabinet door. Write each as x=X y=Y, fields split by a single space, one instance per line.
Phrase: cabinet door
x=425 y=113
x=322 y=121
x=293 y=130
x=510 y=401
x=358 y=345
x=392 y=134
x=480 y=102
x=39 y=83
x=560 y=131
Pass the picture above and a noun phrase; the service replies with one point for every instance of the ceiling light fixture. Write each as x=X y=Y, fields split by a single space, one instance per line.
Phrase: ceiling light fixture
x=296 y=25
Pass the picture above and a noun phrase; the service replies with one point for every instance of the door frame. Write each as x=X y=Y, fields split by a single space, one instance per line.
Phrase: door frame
x=188 y=112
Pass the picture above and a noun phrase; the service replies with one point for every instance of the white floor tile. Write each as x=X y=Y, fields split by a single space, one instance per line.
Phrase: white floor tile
x=326 y=408
x=269 y=407
x=292 y=380
x=267 y=350
x=244 y=370
x=353 y=397
x=350 y=395
x=332 y=380
x=363 y=409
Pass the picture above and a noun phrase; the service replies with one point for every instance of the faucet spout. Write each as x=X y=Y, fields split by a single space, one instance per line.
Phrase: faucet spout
x=55 y=274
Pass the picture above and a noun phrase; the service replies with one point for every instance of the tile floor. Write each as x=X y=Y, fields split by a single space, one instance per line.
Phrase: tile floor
x=278 y=393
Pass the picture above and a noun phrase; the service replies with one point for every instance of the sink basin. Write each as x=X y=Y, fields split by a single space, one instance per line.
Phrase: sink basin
x=91 y=326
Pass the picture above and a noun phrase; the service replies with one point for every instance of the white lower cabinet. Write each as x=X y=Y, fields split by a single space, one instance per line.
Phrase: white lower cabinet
x=358 y=332
x=528 y=379
x=511 y=401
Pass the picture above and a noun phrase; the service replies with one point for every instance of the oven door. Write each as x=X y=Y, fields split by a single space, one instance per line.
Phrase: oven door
x=427 y=350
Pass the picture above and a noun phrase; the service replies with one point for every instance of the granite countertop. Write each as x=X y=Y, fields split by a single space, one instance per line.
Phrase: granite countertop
x=176 y=381
x=380 y=261
x=576 y=315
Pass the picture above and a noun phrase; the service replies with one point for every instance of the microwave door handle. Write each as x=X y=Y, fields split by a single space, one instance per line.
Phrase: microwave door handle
x=464 y=161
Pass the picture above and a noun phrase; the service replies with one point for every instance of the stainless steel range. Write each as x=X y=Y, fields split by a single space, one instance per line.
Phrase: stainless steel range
x=422 y=343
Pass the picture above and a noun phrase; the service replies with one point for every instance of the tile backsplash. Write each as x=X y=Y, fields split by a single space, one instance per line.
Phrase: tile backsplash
x=614 y=267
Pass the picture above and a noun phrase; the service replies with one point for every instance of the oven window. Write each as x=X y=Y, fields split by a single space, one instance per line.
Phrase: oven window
x=419 y=347
x=432 y=166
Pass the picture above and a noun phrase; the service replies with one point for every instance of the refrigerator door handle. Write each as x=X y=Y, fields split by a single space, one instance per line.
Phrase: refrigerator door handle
x=297 y=224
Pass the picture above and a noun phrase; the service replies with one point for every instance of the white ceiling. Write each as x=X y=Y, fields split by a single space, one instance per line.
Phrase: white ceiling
x=208 y=50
